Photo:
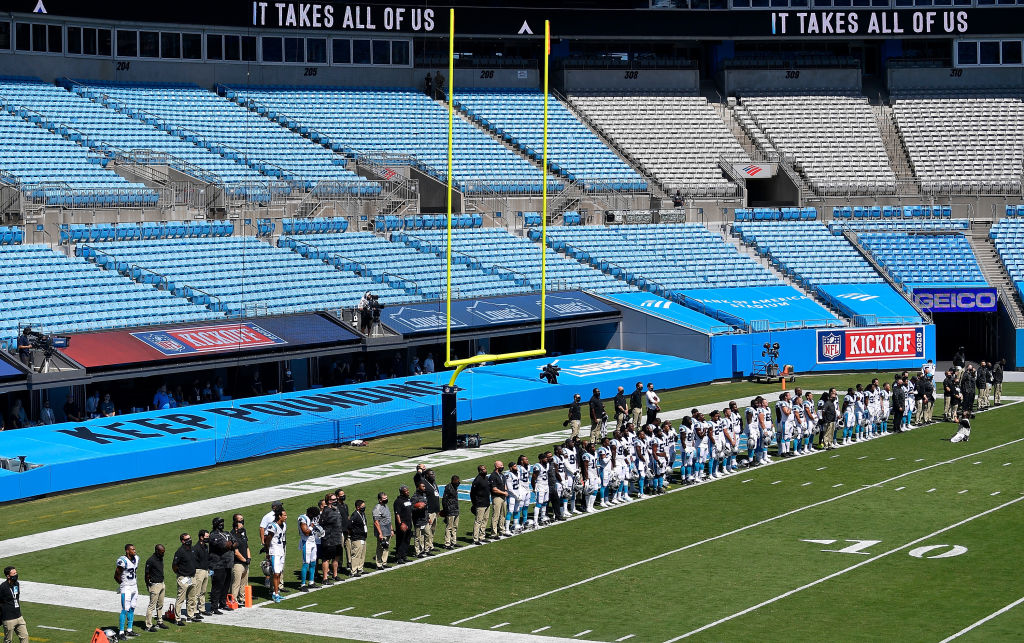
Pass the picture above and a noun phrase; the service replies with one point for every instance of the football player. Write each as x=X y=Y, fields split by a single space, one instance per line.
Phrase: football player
x=591 y=478
x=885 y=401
x=784 y=414
x=702 y=438
x=810 y=422
x=525 y=488
x=688 y=438
x=753 y=432
x=125 y=576
x=539 y=483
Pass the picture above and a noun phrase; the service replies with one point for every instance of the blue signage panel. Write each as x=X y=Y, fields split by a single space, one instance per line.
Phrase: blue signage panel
x=7 y=371
x=670 y=311
x=957 y=299
x=471 y=314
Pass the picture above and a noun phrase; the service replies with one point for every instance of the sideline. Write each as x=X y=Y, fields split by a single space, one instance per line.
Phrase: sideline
x=983 y=621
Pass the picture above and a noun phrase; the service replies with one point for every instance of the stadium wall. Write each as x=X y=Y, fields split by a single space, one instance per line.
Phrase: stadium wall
x=761 y=80
x=642 y=332
x=948 y=79
x=676 y=80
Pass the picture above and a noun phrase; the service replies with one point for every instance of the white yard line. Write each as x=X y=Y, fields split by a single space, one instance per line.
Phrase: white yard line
x=842 y=571
x=728 y=533
x=984 y=620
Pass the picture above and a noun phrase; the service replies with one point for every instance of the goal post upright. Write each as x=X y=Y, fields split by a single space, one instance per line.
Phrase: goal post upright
x=462 y=364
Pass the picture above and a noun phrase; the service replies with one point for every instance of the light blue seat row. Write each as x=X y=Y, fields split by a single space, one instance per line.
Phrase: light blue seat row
x=314 y=225
x=892 y=212
x=81 y=232
x=776 y=214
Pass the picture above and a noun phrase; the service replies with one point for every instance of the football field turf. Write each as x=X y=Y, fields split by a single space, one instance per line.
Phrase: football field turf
x=923 y=543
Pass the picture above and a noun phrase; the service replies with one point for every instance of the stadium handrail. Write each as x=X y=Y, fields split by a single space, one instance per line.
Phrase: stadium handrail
x=854 y=240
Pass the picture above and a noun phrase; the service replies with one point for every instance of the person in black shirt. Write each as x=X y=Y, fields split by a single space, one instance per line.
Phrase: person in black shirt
x=403 y=525
x=71 y=411
x=997 y=381
x=433 y=506
x=10 y=607
x=184 y=567
x=243 y=556
x=480 y=501
x=636 y=404
x=598 y=416
x=201 y=552
x=25 y=347
x=450 y=512
x=419 y=519
x=357 y=539
x=621 y=409
x=155 y=585
x=330 y=544
x=574 y=416
x=499 y=501
x=222 y=557
x=342 y=552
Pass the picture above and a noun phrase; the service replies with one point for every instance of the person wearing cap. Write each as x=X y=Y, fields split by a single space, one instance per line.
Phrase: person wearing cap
x=573 y=422
x=222 y=556
x=243 y=556
x=433 y=506
x=499 y=500
x=997 y=381
x=201 y=551
x=450 y=512
x=403 y=525
x=597 y=416
x=382 y=530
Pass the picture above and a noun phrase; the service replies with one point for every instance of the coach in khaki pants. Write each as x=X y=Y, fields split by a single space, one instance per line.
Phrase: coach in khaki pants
x=184 y=566
x=240 y=567
x=155 y=585
x=450 y=512
x=499 y=499
x=10 y=607
x=480 y=499
x=382 y=529
x=197 y=601
x=357 y=539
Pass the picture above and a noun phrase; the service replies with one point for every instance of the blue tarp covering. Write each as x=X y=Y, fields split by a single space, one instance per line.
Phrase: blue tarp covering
x=145 y=444
x=765 y=308
x=8 y=371
x=497 y=311
x=878 y=301
x=670 y=311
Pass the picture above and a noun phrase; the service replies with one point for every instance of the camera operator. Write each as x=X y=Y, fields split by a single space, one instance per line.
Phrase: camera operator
x=25 y=346
x=365 y=313
x=550 y=373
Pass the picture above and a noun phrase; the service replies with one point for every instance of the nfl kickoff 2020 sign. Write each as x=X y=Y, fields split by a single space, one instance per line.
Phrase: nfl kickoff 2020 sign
x=900 y=342
x=207 y=339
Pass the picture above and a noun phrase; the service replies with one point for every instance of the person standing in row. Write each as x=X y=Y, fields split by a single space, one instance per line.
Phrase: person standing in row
x=201 y=551
x=636 y=405
x=222 y=559
x=357 y=539
x=480 y=500
x=342 y=552
x=184 y=567
x=382 y=530
x=597 y=416
x=275 y=542
x=126 y=576
x=330 y=544
x=499 y=500
x=450 y=511
x=433 y=506
x=621 y=410
x=243 y=556
x=419 y=519
x=575 y=417
x=403 y=525
x=157 y=590
x=997 y=381
x=653 y=404
x=10 y=607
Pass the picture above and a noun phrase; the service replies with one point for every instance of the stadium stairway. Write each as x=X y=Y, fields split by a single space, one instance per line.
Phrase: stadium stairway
x=899 y=158
x=746 y=249
x=994 y=270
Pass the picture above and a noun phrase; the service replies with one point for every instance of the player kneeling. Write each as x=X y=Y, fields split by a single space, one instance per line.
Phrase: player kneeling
x=964 y=432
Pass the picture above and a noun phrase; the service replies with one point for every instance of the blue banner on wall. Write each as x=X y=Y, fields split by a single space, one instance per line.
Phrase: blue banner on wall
x=9 y=372
x=670 y=311
x=957 y=299
x=472 y=314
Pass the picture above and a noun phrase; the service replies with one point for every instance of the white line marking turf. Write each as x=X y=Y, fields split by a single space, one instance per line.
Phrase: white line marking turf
x=53 y=627
x=344 y=610
x=417 y=618
x=576 y=636
x=380 y=613
x=995 y=493
x=930 y=490
x=730 y=533
x=624 y=638
x=307 y=606
x=805 y=484
x=843 y=571
x=1007 y=464
x=837 y=485
x=964 y=491
x=984 y=620
x=822 y=468
x=900 y=488
x=777 y=482
x=494 y=627
x=541 y=629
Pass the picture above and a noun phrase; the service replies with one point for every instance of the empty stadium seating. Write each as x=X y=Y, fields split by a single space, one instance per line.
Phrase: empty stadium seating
x=58 y=294
x=776 y=214
x=959 y=143
x=190 y=112
x=892 y=212
x=797 y=248
x=11 y=235
x=426 y=222
x=573 y=150
x=497 y=250
x=80 y=232
x=661 y=258
x=1008 y=237
x=315 y=225
x=899 y=225
x=677 y=138
x=397 y=122
x=925 y=259
x=241 y=274
x=57 y=171
x=110 y=132
x=833 y=140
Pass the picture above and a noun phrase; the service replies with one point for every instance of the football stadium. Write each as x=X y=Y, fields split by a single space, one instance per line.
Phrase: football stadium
x=632 y=320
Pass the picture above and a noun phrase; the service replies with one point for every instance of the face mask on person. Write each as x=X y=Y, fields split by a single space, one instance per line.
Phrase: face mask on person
x=187 y=542
x=14 y=578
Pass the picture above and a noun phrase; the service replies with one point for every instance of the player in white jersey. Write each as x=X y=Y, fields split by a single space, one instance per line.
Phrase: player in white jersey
x=623 y=461
x=539 y=482
x=275 y=542
x=810 y=422
x=641 y=462
x=732 y=434
x=849 y=418
x=768 y=432
x=605 y=471
x=860 y=409
x=753 y=432
x=591 y=478
x=125 y=575
x=784 y=414
x=874 y=406
x=512 y=486
x=910 y=390
x=308 y=526
x=662 y=457
x=716 y=444
x=525 y=473
x=885 y=402
x=702 y=443
x=671 y=442
x=687 y=439
x=566 y=459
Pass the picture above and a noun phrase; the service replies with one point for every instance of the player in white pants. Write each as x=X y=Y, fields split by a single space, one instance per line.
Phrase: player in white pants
x=963 y=434
x=810 y=422
x=687 y=436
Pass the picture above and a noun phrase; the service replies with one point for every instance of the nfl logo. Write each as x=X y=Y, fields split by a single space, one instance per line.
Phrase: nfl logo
x=168 y=344
x=831 y=346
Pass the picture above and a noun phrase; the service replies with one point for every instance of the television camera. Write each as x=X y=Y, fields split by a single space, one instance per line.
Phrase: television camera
x=550 y=372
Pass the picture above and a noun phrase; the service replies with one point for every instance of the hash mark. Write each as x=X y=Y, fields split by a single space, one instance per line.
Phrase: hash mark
x=919 y=460
x=380 y=613
x=576 y=636
x=821 y=468
x=777 y=482
x=837 y=485
x=978 y=462
x=900 y=488
x=305 y=606
x=419 y=617
x=805 y=484
x=994 y=493
x=744 y=482
x=959 y=492
x=540 y=629
x=344 y=610
x=624 y=638
x=887 y=459
x=930 y=490
x=862 y=457
x=494 y=627
x=1007 y=464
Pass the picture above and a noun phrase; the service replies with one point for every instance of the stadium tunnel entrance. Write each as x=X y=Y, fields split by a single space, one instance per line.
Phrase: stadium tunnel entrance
x=977 y=333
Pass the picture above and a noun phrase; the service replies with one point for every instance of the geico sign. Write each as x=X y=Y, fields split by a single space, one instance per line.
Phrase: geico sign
x=956 y=300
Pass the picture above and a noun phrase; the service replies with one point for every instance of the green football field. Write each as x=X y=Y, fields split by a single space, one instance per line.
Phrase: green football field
x=904 y=538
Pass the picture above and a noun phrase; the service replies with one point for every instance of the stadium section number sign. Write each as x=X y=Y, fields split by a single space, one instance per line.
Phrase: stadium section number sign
x=208 y=339
x=903 y=342
x=957 y=300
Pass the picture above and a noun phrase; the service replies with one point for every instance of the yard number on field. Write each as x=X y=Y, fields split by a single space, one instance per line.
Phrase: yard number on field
x=858 y=547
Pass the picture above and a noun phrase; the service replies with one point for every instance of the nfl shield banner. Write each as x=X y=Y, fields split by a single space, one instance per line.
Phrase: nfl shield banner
x=897 y=342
